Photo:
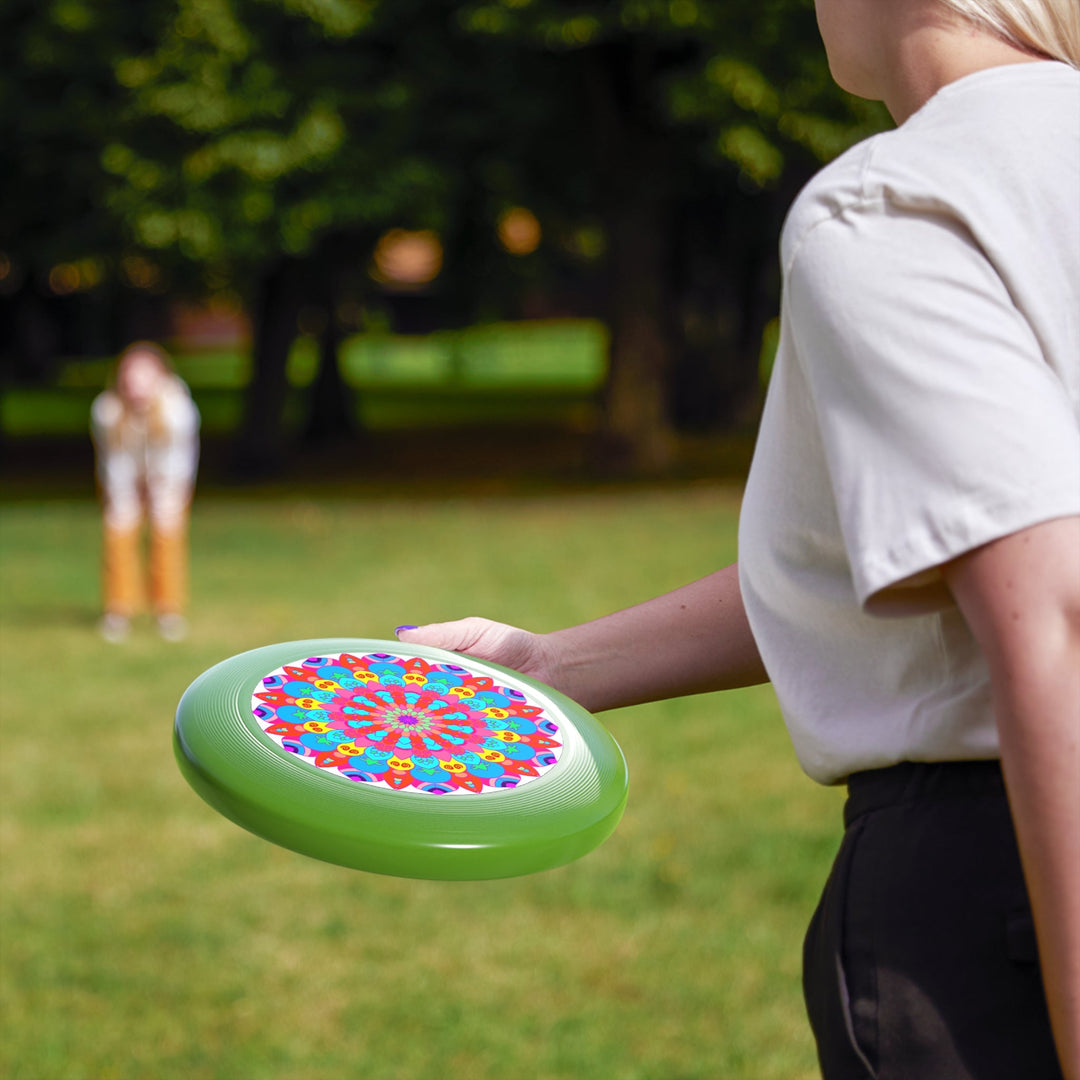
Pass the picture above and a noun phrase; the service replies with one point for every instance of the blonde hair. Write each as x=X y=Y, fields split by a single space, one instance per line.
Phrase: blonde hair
x=156 y=426
x=144 y=347
x=1048 y=27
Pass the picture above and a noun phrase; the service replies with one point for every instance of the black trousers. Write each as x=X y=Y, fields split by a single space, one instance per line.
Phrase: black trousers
x=920 y=962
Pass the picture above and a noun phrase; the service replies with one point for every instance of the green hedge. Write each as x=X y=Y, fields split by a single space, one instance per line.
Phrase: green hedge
x=510 y=372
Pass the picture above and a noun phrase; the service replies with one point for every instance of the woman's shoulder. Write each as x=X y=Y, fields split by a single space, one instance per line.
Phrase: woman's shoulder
x=106 y=411
x=832 y=191
x=997 y=142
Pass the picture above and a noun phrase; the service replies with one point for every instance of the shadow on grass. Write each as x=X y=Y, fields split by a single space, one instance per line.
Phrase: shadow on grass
x=417 y=464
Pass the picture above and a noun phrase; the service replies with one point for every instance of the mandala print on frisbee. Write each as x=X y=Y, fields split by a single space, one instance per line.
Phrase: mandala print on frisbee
x=404 y=723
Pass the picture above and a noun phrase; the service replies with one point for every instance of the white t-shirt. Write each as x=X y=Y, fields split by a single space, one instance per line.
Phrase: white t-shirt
x=144 y=463
x=925 y=400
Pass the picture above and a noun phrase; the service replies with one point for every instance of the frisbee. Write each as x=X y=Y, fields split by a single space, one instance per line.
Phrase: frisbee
x=400 y=759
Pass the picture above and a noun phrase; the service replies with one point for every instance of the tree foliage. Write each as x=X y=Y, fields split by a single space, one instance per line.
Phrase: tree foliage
x=263 y=146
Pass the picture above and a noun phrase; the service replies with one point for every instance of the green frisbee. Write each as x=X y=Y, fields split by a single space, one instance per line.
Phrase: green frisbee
x=400 y=759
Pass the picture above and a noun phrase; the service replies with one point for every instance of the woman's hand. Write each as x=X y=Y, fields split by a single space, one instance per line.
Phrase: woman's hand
x=689 y=641
x=501 y=644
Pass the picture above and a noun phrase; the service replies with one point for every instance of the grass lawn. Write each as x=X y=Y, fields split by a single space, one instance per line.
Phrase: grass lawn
x=144 y=936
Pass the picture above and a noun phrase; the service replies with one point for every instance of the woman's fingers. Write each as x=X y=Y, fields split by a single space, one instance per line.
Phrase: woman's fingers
x=497 y=642
x=461 y=635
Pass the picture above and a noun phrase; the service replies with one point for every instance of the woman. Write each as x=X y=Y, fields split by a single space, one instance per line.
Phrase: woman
x=145 y=432
x=909 y=574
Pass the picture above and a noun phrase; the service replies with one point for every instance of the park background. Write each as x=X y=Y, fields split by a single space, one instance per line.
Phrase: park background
x=478 y=302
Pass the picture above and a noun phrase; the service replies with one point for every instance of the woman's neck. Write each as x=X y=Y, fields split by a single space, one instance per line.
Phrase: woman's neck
x=927 y=52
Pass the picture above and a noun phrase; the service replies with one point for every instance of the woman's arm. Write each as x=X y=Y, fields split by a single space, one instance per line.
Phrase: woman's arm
x=689 y=641
x=1021 y=598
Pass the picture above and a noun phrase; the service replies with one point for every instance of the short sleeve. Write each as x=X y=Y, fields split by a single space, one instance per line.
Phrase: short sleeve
x=105 y=414
x=944 y=426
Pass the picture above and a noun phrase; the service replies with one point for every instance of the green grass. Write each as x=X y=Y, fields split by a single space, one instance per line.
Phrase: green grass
x=144 y=936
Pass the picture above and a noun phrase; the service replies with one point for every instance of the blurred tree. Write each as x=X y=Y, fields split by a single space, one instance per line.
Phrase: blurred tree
x=284 y=131
x=295 y=133
x=261 y=147
x=59 y=106
x=692 y=125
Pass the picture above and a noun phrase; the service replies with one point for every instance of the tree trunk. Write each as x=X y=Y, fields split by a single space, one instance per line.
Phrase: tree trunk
x=637 y=426
x=331 y=415
x=35 y=337
x=261 y=446
x=728 y=285
x=635 y=190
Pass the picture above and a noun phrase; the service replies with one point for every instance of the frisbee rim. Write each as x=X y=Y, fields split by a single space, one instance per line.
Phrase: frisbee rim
x=255 y=782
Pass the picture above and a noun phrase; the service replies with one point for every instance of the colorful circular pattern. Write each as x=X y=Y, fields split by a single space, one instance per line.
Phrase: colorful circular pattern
x=401 y=722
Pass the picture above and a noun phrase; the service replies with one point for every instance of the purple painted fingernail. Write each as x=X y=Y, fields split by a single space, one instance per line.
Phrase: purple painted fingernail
x=398 y=629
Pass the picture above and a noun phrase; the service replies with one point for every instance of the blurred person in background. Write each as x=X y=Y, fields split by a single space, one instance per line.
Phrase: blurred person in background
x=146 y=437
x=909 y=549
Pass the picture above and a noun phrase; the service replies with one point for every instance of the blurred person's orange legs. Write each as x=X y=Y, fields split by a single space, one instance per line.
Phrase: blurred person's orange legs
x=169 y=569
x=122 y=582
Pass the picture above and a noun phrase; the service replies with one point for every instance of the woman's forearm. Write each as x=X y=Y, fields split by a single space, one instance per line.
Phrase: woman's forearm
x=689 y=641
x=1021 y=598
x=1038 y=717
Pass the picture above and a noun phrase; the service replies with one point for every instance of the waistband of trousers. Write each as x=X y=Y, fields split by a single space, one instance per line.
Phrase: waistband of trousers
x=912 y=782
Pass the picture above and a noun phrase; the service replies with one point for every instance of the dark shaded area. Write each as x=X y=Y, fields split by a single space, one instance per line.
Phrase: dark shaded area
x=157 y=155
x=434 y=463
